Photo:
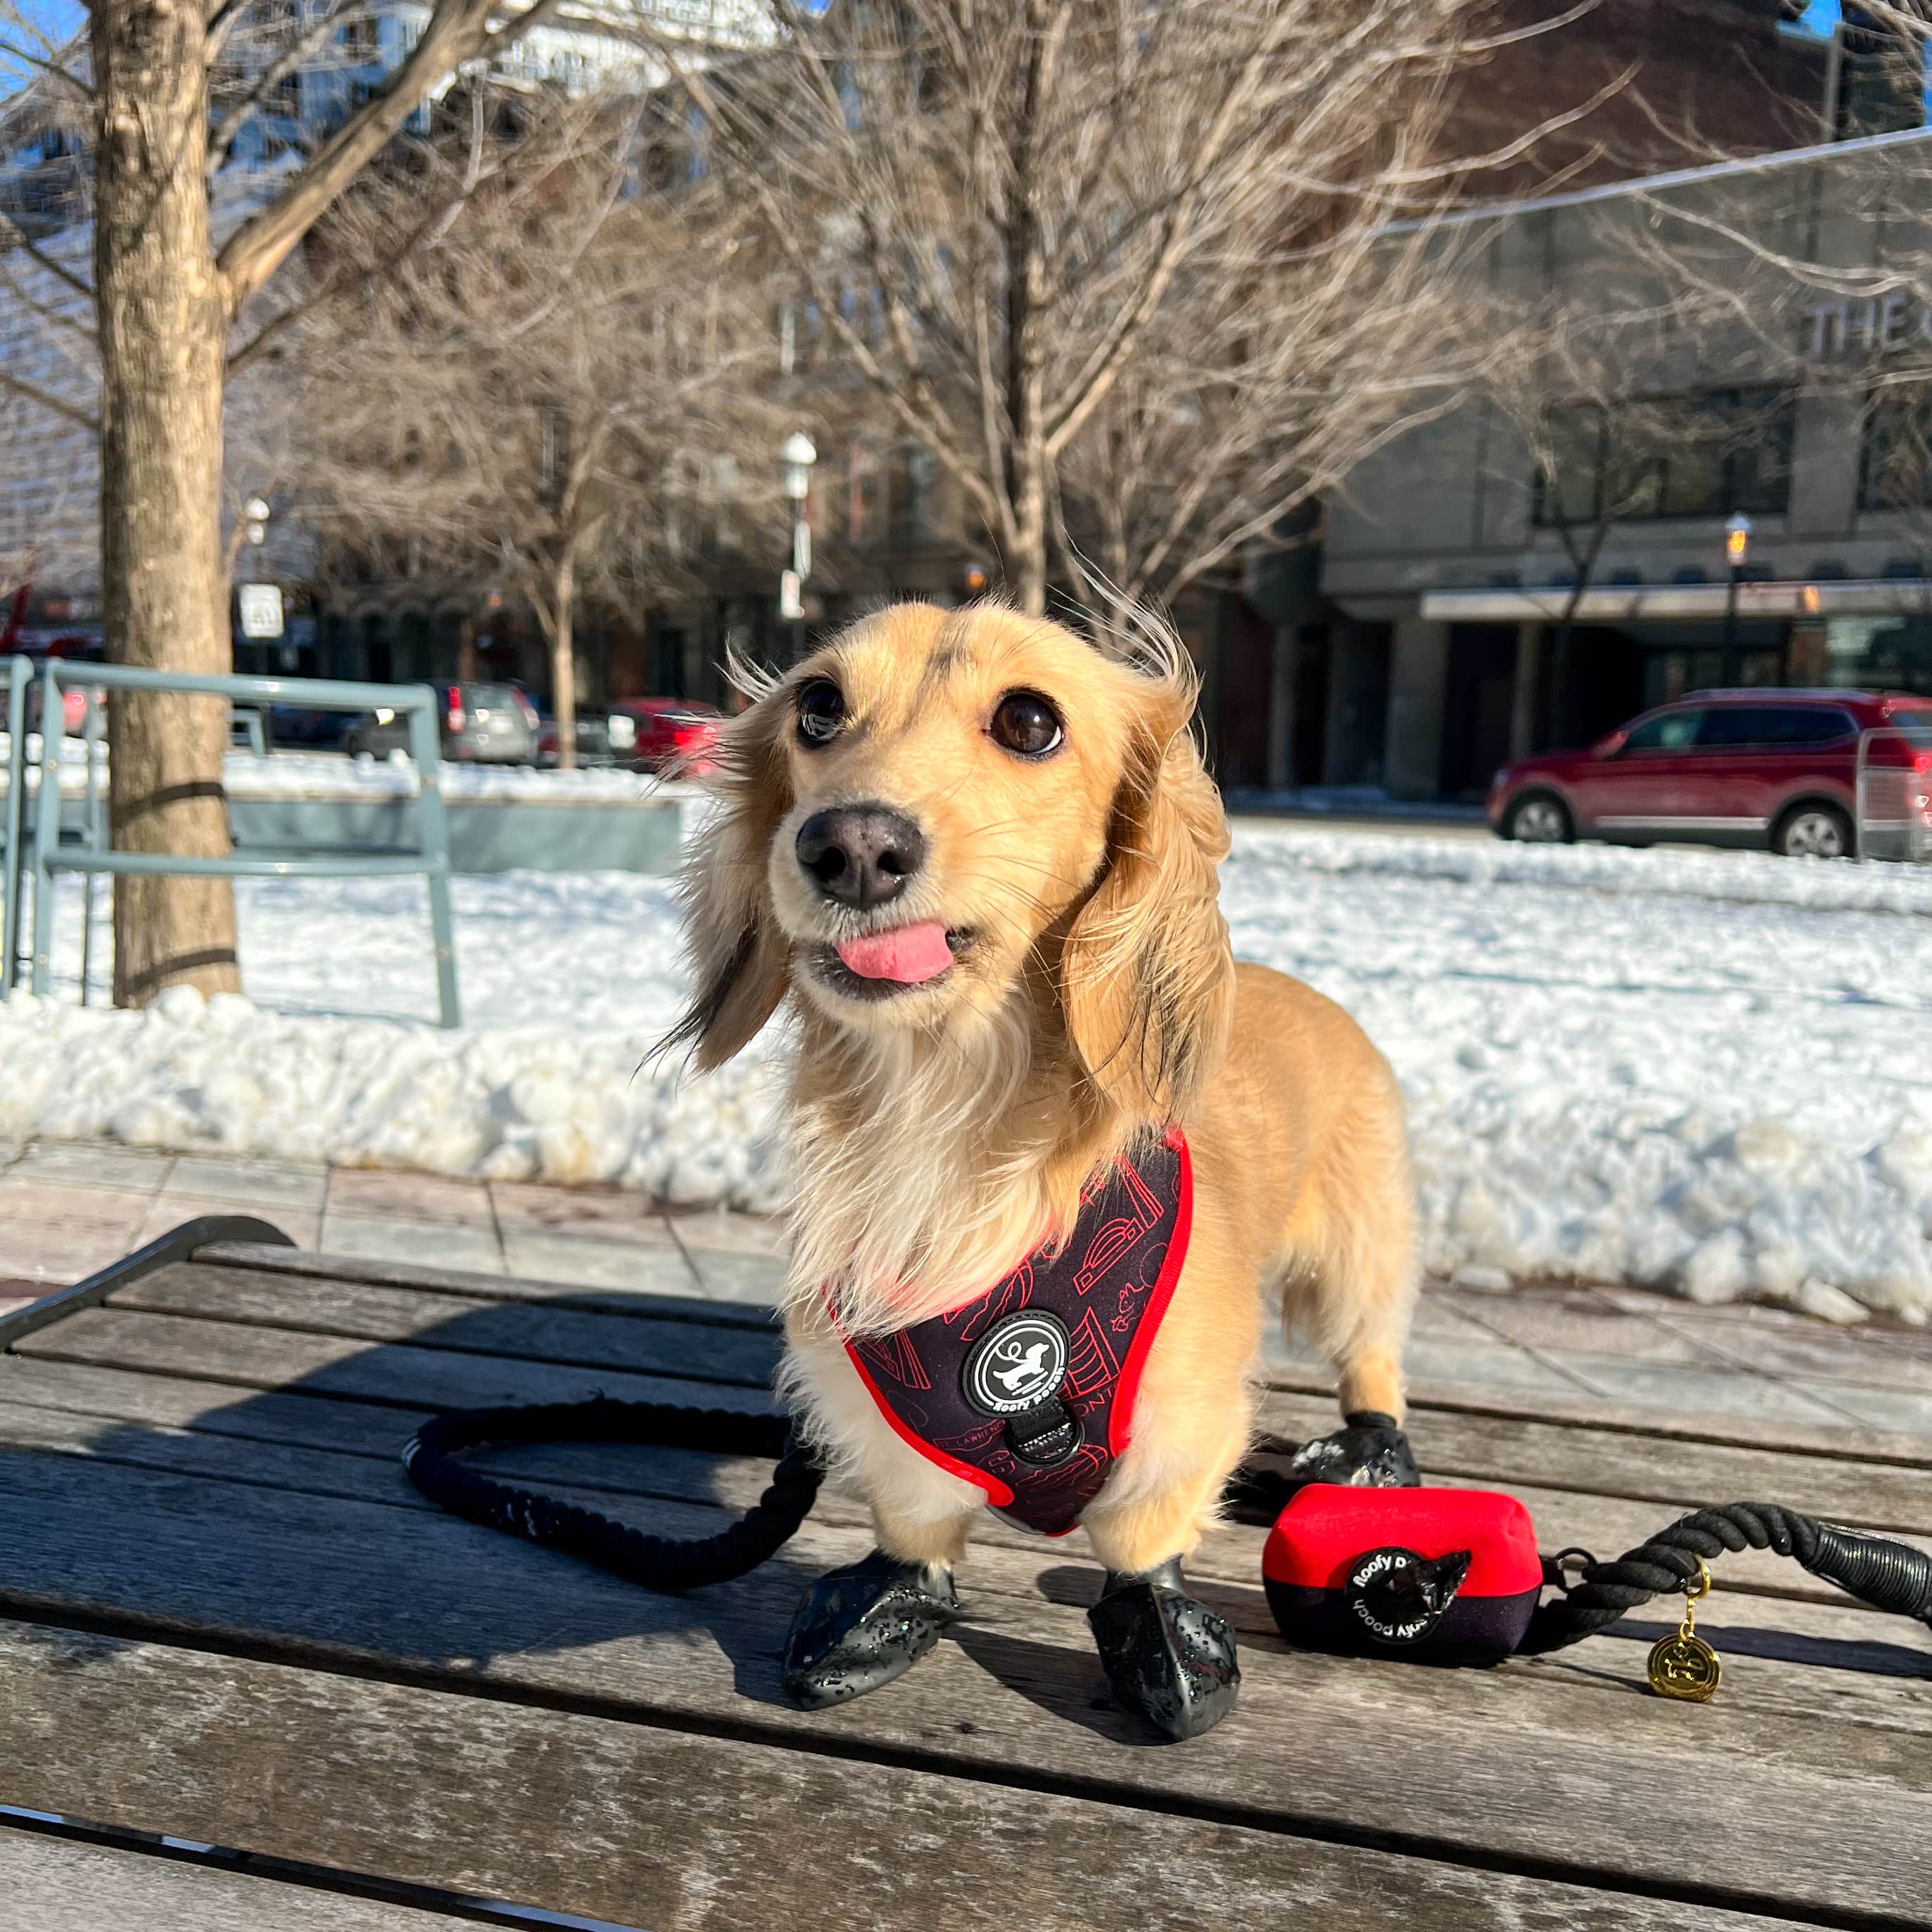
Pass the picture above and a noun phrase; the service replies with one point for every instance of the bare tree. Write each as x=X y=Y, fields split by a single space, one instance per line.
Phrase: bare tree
x=998 y=214
x=538 y=400
x=183 y=248
x=1262 y=389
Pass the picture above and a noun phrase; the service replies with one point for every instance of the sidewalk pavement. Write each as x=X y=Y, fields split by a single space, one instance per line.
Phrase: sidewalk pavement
x=67 y=1208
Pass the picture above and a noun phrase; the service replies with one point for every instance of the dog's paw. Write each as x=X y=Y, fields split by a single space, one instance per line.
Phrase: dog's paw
x=1369 y=1453
x=857 y=1628
x=1170 y=1659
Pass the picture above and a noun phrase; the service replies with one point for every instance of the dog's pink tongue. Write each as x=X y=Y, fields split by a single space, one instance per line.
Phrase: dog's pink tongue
x=908 y=953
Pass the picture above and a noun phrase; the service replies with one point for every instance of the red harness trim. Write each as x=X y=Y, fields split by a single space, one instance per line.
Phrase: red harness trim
x=997 y=1491
x=1120 y=1432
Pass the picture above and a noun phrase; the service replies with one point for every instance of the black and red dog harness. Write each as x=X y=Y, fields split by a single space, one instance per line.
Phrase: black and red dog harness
x=1027 y=1391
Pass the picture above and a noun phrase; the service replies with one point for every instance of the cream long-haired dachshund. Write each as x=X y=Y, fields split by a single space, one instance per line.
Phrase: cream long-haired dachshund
x=1049 y=1143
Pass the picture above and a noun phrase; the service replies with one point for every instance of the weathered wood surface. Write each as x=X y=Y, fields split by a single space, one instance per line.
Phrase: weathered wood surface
x=61 y=1885
x=580 y=1337
x=1852 y=1664
x=1508 y=1764
x=406 y=1373
x=329 y=1446
x=653 y=1828
x=203 y=1470
x=427 y=1371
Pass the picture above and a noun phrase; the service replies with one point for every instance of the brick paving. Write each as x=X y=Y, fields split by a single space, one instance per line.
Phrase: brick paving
x=69 y=1207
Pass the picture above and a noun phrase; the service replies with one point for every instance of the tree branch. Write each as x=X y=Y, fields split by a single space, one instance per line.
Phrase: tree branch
x=16 y=238
x=72 y=411
x=457 y=30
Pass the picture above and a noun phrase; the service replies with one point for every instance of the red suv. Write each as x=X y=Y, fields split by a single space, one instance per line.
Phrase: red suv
x=1732 y=768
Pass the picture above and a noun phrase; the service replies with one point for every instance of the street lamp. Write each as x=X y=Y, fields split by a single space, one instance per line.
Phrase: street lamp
x=1737 y=547
x=795 y=457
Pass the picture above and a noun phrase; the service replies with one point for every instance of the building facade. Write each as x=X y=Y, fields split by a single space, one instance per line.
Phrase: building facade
x=1527 y=573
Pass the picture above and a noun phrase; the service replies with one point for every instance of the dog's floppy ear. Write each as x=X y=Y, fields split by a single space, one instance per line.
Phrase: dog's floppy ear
x=738 y=957
x=1147 y=975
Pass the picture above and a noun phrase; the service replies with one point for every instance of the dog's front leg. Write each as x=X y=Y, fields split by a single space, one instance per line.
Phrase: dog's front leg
x=1167 y=1657
x=861 y=1626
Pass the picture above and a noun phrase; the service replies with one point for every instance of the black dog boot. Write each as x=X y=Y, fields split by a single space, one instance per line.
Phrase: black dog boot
x=1371 y=1453
x=1167 y=1657
x=858 y=1628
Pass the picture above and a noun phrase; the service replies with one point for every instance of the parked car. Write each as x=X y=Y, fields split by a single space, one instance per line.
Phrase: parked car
x=73 y=710
x=1748 y=768
x=75 y=649
x=299 y=727
x=664 y=732
x=481 y=723
x=593 y=740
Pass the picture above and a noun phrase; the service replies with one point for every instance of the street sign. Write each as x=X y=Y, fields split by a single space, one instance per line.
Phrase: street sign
x=261 y=606
x=790 y=607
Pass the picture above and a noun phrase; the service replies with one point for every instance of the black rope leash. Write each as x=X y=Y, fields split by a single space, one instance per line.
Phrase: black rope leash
x=1888 y=1575
x=662 y=1563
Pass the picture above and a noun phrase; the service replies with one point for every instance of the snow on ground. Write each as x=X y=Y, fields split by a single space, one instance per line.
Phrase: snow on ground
x=1707 y=1072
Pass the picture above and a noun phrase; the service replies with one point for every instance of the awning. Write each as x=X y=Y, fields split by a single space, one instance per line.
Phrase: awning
x=1635 y=603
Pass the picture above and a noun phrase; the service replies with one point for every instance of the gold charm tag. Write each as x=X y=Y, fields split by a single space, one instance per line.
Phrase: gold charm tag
x=1684 y=1665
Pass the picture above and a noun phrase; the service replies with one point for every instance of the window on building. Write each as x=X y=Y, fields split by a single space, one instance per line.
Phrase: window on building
x=915 y=484
x=1879 y=653
x=1569 y=468
x=1895 y=463
x=361 y=38
x=865 y=492
x=1670 y=731
x=1653 y=457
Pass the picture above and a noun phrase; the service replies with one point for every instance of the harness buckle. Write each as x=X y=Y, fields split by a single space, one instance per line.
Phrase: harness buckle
x=1046 y=1434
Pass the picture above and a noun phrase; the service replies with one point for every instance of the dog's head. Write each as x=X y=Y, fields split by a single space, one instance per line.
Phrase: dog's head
x=942 y=810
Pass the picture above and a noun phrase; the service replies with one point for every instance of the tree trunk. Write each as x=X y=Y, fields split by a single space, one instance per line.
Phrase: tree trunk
x=1026 y=478
x=163 y=324
x=563 y=661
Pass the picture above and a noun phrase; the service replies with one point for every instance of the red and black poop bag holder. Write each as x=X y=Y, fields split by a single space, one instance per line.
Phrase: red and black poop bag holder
x=1375 y=1563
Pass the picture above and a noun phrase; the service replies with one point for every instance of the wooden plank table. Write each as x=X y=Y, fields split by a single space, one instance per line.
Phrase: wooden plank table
x=252 y=1678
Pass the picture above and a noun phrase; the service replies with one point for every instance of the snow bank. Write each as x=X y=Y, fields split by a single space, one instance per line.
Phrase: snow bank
x=1712 y=1073
x=1709 y=1072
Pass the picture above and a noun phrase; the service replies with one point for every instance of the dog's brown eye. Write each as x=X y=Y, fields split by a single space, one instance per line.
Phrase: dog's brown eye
x=821 y=711
x=1026 y=724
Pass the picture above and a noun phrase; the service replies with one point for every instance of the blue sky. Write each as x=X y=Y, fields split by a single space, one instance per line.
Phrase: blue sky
x=57 y=20
x=1820 y=17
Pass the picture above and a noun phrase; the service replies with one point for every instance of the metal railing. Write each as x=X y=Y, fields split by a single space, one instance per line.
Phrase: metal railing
x=429 y=856
x=1889 y=792
x=19 y=675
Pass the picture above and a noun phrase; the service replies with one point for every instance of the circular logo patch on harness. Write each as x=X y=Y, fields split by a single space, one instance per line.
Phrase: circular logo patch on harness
x=1017 y=1365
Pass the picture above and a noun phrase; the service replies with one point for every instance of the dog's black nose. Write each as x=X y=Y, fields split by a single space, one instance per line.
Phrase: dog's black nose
x=861 y=855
